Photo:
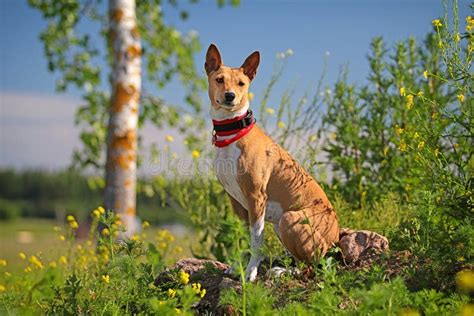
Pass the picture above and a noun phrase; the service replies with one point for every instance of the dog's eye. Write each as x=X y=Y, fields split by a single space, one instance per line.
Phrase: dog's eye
x=220 y=80
x=241 y=84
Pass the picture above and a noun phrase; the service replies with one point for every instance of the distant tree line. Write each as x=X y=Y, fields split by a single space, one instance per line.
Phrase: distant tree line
x=54 y=194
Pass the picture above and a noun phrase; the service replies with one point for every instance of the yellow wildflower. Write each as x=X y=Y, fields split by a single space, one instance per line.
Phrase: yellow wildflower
x=62 y=260
x=457 y=37
x=461 y=97
x=171 y=293
x=145 y=224
x=70 y=218
x=105 y=278
x=61 y=237
x=409 y=101
x=2 y=288
x=57 y=228
x=440 y=44
x=281 y=124
x=402 y=146
x=196 y=154
x=416 y=135
x=469 y=23
x=3 y=263
x=436 y=152
x=22 y=255
x=203 y=292
x=178 y=249
x=467 y=310
x=169 y=138
x=105 y=232
x=101 y=210
x=420 y=94
x=403 y=91
x=421 y=145
x=270 y=111
x=135 y=237
x=398 y=130
x=425 y=74
x=183 y=277
x=437 y=23
x=96 y=213
x=52 y=264
x=73 y=225
x=465 y=281
x=36 y=262
x=250 y=96
x=177 y=310
x=28 y=269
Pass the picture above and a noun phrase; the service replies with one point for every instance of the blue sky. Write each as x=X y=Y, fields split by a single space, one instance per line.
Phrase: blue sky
x=30 y=106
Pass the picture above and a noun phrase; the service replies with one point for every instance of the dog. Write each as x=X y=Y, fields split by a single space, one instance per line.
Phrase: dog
x=262 y=180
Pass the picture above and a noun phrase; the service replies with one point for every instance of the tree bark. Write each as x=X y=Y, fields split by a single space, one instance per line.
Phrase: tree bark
x=121 y=164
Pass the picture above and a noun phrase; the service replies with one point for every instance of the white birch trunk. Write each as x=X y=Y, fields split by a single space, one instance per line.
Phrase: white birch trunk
x=121 y=165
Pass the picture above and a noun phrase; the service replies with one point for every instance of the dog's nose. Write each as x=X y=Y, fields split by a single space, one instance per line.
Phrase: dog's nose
x=229 y=97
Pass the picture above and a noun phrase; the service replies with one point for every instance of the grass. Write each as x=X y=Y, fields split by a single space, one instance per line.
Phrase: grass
x=37 y=235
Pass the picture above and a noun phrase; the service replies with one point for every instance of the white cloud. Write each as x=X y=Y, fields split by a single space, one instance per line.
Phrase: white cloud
x=37 y=130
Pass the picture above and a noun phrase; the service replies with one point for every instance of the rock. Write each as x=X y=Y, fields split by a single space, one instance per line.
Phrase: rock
x=212 y=277
x=356 y=244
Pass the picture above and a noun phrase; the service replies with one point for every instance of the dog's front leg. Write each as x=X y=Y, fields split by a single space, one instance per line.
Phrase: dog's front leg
x=257 y=222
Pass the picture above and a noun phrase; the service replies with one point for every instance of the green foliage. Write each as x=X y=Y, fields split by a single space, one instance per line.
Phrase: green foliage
x=83 y=279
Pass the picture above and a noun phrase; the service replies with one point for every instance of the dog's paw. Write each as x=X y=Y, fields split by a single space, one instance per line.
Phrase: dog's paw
x=251 y=273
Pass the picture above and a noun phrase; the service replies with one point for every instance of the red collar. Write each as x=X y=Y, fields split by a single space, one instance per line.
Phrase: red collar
x=237 y=126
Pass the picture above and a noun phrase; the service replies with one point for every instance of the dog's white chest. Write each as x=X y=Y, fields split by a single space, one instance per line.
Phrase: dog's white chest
x=226 y=168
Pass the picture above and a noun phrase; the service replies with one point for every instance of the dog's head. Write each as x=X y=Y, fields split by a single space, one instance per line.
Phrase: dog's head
x=229 y=87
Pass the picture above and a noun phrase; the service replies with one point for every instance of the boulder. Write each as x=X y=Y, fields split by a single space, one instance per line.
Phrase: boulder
x=355 y=244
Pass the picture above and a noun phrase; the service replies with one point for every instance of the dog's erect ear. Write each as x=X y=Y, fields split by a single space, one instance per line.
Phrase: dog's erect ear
x=250 y=65
x=213 y=59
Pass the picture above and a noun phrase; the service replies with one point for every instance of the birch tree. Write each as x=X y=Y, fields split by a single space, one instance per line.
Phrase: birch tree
x=121 y=164
x=115 y=106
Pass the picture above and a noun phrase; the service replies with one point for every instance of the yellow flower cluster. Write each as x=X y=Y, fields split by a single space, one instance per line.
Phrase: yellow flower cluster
x=72 y=222
x=270 y=111
x=398 y=130
x=469 y=23
x=437 y=23
x=171 y=293
x=169 y=138
x=195 y=154
x=3 y=263
x=183 y=277
x=198 y=290
x=461 y=97
x=403 y=91
x=36 y=262
x=105 y=278
x=98 y=211
x=250 y=96
x=465 y=281
x=281 y=125
x=410 y=102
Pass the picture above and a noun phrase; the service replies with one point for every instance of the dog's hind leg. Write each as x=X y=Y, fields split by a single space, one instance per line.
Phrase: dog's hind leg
x=308 y=233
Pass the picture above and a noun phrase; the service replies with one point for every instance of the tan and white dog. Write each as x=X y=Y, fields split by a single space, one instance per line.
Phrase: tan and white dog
x=263 y=181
